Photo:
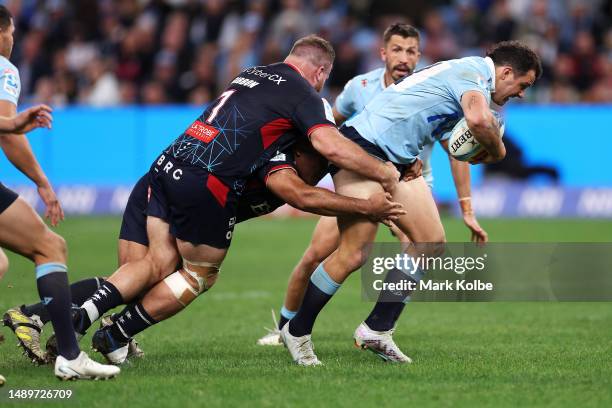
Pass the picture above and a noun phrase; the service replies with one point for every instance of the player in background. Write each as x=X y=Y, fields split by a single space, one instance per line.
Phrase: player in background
x=400 y=54
x=411 y=113
x=22 y=230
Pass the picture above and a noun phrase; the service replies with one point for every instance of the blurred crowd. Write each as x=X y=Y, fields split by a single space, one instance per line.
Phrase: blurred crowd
x=113 y=52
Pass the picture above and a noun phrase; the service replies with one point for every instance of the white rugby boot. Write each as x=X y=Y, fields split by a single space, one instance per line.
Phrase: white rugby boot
x=273 y=337
x=83 y=368
x=300 y=348
x=380 y=343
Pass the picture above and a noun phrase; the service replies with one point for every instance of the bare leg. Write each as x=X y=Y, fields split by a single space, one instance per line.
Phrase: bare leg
x=324 y=241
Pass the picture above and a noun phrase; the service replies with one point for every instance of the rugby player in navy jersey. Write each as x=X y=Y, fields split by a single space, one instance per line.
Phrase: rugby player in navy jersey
x=287 y=178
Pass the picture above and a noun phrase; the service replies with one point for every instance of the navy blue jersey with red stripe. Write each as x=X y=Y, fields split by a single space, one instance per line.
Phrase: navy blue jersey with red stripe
x=256 y=199
x=247 y=124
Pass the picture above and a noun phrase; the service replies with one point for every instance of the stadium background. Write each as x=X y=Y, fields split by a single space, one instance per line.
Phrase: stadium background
x=125 y=77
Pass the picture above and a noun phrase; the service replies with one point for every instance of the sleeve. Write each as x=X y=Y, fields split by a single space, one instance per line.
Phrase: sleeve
x=469 y=80
x=279 y=162
x=10 y=85
x=345 y=102
x=312 y=112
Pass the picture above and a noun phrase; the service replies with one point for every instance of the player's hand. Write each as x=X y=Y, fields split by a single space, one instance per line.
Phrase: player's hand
x=479 y=235
x=38 y=116
x=397 y=232
x=390 y=177
x=413 y=171
x=382 y=209
x=53 y=209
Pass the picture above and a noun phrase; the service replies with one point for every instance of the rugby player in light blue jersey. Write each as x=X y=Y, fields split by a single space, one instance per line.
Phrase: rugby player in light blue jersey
x=23 y=231
x=400 y=54
x=408 y=115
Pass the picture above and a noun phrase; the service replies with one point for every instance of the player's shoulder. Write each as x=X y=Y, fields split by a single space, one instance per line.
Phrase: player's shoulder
x=474 y=63
x=7 y=65
x=10 y=84
x=368 y=80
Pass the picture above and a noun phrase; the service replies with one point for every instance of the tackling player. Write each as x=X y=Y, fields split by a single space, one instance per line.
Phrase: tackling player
x=288 y=177
x=22 y=230
x=235 y=137
x=411 y=113
x=400 y=54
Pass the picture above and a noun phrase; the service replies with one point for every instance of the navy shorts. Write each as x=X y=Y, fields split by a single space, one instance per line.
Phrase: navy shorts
x=134 y=222
x=199 y=207
x=352 y=134
x=7 y=197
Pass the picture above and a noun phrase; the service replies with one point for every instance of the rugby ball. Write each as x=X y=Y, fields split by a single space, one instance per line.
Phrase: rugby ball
x=462 y=145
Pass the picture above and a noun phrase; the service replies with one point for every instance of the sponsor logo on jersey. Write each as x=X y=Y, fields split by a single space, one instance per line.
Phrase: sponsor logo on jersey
x=262 y=74
x=10 y=83
x=279 y=157
x=202 y=131
x=245 y=82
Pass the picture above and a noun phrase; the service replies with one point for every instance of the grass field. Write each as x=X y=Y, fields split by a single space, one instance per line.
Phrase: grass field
x=466 y=354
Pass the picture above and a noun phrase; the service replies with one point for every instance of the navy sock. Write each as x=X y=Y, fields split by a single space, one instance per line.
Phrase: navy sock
x=52 y=283
x=320 y=290
x=79 y=291
x=104 y=299
x=130 y=321
x=285 y=316
x=390 y=304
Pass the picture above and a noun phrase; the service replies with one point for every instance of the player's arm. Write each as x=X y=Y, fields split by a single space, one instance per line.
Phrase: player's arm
x=17 y=149
x=338 y=117
x=288 y=186
x=483 y=125
x=461 y=178
x=345 y=154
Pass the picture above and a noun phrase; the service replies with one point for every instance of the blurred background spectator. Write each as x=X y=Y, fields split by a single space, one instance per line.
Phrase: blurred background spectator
x=111 y=52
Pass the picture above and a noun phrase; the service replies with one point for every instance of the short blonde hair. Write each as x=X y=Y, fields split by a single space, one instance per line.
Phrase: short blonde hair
x=317 y=50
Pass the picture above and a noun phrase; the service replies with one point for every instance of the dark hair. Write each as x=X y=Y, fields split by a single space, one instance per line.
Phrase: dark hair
x=403 y=30
x=517 y=55
x=5 y=18
x=318 y=50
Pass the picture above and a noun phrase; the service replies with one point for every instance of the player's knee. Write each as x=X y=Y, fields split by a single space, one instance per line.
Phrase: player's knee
x=161 y=265
x=310 y=261
x=192 y=280
x=353 y=260
x=50 y=247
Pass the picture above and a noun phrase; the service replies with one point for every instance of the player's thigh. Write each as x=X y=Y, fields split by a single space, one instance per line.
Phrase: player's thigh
x=4 y=263
x=325 y=239
x=23 y=231
x=162 y=250
x=130 y=251
x=422 y=220
x=356 y=233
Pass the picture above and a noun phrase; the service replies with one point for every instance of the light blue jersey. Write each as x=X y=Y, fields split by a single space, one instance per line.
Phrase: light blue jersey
x=423 y=107
x=358 y=92
x=10 y=84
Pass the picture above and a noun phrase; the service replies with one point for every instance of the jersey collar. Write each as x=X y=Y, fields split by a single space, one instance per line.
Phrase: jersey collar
x=296 y=69
x=382 y=79
x=491 y=66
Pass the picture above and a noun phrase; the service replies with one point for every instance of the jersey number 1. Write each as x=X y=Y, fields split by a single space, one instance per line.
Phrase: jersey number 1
x=222 y=99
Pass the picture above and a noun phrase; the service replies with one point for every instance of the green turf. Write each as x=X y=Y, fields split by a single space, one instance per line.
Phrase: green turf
x=466 y=354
